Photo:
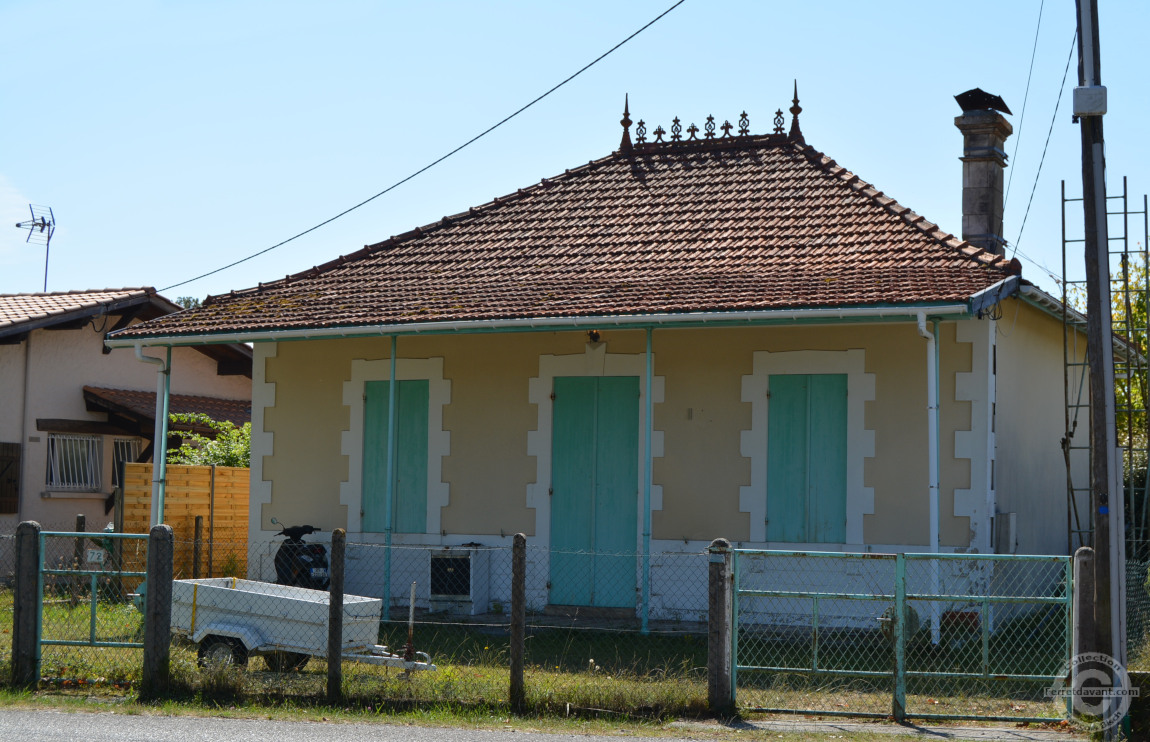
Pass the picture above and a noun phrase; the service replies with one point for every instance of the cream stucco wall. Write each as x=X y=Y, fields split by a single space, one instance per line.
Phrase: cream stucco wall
x=701 y=417
x=59 y=363
x=1031 y=472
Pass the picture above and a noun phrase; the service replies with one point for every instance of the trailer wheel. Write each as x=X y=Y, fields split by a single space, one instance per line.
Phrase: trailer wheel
x=222 y=651
x=281 y=661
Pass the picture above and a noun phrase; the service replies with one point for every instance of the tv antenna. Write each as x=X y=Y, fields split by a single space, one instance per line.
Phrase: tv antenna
x=40 y=230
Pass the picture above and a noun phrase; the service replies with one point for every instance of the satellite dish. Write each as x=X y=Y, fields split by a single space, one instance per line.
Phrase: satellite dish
x=40 y=228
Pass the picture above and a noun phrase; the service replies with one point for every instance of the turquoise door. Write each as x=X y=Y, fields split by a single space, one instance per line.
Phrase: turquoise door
x=594 y=490
x=806 y=458
x=410 y=487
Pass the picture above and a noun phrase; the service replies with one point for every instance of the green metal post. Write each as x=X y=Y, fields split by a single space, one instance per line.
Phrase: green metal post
x=815 y=633
x=986 y=608
x=898 y=705
x=92 y=613
x=389 y=511
x=648 y=432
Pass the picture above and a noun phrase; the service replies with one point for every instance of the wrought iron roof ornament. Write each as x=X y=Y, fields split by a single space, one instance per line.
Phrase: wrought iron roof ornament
x=659 y=132
x=744 y=125
x=625 y=144
x=641 y=132
x=779 y=121
x=676 y=129
x=710 y=127
x=726 y=127
x=692 y=130
x=796 y=133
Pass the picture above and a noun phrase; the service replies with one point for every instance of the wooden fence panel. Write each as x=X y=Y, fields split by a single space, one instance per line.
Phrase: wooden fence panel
x=219 y=494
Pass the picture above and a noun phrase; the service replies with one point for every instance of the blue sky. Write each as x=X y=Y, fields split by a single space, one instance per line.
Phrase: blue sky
x=174 y=138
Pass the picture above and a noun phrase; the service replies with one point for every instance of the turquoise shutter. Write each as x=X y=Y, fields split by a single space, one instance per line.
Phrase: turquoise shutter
x=572 y=490
x=375 y=404
x=410 y=512
x=787 y=439
x=616 y=491
x=411 y=458
x=806 y=458
x=827 y=483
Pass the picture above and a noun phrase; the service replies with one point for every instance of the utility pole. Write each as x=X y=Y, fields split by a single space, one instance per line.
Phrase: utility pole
x=1106 y=495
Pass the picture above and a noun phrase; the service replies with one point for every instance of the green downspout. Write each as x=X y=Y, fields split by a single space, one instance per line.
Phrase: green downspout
x=162 y=444
x=389 y=511
x=648 y=429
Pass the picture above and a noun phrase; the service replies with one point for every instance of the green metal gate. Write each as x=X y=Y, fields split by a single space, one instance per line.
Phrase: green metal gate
x=928 y=636
x=95 y=563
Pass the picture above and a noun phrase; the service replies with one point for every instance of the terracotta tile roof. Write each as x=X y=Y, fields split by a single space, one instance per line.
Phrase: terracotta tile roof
x=143 y=404
x=18 y=309
x=745 y=223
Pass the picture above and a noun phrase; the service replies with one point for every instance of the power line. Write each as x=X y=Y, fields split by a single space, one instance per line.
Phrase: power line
x=1053 y=118
x=1025 y=97
x=425 y=168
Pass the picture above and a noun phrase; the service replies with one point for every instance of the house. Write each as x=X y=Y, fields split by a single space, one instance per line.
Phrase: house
x=706 y=333
x=71 y=412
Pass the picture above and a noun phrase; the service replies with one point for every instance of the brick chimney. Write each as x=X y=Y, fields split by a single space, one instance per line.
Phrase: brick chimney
x=984 y=133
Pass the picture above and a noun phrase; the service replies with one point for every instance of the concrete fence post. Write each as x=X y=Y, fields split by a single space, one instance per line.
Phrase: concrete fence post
x=1084 y=637
x=720 y=586
x=337 y=563
x=518 y=691
x=158 y=613
x=26 y=606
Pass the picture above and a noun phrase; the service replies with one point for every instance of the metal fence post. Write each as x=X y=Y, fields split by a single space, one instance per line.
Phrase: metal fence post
x=26 y=607
x=335 y=616
x=517 y=691
x=898 y=622
x=78 y=559
x=157 y=613
x=720 y=685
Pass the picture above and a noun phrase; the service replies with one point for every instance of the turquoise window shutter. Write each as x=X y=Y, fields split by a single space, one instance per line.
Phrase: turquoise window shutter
x=410 y=507
x=806 y=458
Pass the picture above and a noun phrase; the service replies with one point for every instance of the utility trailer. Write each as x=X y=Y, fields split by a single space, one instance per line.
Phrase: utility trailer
x=230 y=619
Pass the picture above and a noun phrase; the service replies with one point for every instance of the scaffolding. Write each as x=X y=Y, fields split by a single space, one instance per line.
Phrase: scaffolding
x=1129 y=291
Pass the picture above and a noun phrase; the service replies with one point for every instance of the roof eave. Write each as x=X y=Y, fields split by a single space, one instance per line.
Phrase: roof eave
x=908 y=312
x=93 y=310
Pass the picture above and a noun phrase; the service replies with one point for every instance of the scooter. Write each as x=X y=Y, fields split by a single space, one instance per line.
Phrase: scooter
x=301 y=564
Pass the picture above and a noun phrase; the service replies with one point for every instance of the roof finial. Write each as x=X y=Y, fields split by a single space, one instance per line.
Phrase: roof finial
x=625 y=144
x=796 y=133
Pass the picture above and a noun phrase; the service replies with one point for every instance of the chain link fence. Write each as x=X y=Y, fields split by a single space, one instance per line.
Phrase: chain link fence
x=615 y=632
x=982 y=636
x=250 y=638
x=1138 y=615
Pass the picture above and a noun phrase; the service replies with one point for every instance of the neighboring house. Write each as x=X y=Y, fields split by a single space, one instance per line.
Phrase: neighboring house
x=71 y=412
x=715 y=334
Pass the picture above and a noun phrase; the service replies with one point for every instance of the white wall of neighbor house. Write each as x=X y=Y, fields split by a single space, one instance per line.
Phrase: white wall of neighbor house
x=59 y=363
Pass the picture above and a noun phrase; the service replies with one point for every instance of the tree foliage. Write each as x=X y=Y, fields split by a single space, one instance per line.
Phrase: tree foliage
x=226 y=446
x=189 y=302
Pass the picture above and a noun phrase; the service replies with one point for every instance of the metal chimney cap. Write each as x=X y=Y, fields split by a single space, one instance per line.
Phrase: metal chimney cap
x=980 y=100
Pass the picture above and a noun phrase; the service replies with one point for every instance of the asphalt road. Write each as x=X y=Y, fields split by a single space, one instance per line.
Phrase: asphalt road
x=55 y=726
